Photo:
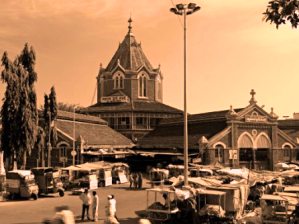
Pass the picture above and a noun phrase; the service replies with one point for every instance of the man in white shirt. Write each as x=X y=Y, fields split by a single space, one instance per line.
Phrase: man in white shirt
x=111 y=210
x=95 y=206
x=86 y=202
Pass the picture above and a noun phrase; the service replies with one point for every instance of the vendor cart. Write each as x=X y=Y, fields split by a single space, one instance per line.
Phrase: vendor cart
x=211 y=206
x=161 y=204
x=275 y=209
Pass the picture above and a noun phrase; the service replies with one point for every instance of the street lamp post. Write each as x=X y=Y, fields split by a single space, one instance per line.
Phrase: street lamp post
x=49 y=141
x=74 y=153
x=184 y=10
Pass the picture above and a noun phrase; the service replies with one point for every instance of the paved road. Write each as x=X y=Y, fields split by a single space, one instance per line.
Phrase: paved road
x=30 y=211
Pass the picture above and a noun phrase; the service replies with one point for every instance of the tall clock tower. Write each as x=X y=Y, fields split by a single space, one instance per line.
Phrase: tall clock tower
x=130 y=91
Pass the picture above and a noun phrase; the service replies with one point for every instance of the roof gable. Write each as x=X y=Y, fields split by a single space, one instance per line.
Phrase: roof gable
x=255 y=114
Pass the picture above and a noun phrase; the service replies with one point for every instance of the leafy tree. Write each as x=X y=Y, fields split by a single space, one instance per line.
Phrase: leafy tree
x=19 y=111
x=50 y=115
x=9 y=109
x=53 y=103
x=280 y=11
x=68 y=107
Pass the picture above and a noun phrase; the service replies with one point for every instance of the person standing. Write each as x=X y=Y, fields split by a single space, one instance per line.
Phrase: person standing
x=139 y=179
x=95 y=206
x=111 y=210
x=86 y=201
x=131 y=180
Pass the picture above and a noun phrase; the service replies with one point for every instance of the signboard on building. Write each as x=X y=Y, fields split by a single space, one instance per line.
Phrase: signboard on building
x=114 y=99
x=255 y=118
x=233 y=154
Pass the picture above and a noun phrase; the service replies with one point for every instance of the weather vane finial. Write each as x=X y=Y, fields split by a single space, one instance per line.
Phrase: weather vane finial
x=130 y=27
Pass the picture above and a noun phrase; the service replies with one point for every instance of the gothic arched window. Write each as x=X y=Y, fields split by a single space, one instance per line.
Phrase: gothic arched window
x=118 y=80
x=142 y=85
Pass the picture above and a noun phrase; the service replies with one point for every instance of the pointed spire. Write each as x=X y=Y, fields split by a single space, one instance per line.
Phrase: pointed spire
x=130 y=26
x=252 y=100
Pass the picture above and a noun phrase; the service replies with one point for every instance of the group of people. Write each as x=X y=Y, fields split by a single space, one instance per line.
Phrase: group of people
x=93 y=202
x=135 y=179
x=87 y=201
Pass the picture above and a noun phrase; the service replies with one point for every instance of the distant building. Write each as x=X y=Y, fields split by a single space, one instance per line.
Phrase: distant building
x=130 y=91
x=89 y=136
x=248 y=137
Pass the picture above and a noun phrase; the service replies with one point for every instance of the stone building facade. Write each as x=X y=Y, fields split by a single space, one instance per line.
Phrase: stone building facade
x=248 y=137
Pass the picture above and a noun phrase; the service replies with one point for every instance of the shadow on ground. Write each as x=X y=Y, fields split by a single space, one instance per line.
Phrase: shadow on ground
x=129 y=221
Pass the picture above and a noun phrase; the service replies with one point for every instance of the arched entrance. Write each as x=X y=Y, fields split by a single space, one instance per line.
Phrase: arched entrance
x=245 y=145
x=254 y=150
x=262 y=156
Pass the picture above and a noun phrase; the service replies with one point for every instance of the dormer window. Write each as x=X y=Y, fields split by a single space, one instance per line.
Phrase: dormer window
x=142 y=85
x=118 y=79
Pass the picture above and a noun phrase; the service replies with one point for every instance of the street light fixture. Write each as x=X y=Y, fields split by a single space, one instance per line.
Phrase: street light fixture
x=184 y=10
x=73 y=152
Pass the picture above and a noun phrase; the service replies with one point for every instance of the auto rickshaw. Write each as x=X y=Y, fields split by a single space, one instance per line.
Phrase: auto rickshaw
x=21 y=183
x=48 y=180
x=158 y=176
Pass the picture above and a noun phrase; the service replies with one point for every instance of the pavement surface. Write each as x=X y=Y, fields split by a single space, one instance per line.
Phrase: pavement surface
x=30 y=212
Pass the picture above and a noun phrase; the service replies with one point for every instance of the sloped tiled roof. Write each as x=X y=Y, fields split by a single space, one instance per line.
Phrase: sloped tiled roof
x=169 y=136
x=290 y=127
x=138 y=106
x=129 y=55
x=79 y=117
x=216 y=115
x=94 y=134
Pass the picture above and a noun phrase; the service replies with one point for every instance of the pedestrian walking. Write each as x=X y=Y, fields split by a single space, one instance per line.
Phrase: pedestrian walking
x=86 y=201
x=95 y=206
x=111 y=210
x=139 y=180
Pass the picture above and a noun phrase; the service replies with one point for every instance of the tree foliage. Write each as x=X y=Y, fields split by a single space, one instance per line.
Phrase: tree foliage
x=50 y=115
x=19 y=111
x=280 y=11
x=68 y=107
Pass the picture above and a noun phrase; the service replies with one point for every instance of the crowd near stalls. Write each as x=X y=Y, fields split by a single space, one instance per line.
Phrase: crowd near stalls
x=217 y=194
x=214 y=194
x=93 y=175
x=47 y=180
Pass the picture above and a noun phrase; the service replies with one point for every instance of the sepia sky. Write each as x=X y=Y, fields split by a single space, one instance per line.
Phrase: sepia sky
x=231 y=50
